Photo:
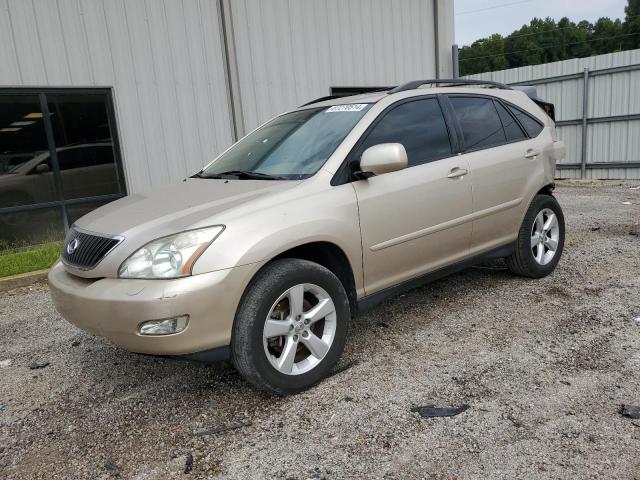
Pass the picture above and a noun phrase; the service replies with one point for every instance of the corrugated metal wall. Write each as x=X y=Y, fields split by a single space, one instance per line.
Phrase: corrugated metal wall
x=612 y=94
x=163 y=59
x=166 y=62
x=290 y=52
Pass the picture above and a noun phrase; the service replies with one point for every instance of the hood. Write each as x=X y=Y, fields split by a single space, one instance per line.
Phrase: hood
x=173 y=208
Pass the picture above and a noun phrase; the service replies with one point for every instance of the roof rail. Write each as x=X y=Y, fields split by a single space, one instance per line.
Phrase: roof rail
x=321 y=99
x=449 y=81
x=333 y=96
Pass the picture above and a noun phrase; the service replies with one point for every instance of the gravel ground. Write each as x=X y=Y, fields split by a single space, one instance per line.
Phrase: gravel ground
x=544 y=364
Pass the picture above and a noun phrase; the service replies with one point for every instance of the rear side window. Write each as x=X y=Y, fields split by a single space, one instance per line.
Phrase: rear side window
x=531 y=125
x=511 y=128
x=418 y=125
x=479 y=121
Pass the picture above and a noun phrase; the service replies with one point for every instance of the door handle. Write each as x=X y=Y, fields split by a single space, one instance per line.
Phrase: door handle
x=531 y=154
x=457 y=172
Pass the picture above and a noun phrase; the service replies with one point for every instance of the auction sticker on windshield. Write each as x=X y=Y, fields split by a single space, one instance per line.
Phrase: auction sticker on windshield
x=352 y=107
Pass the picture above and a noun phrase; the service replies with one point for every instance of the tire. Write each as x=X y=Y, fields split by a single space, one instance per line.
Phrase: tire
x=526 y=259
x=260 y=358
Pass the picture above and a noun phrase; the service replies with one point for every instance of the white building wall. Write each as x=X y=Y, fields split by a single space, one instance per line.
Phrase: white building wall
x=609 y=95
x=163 y=59
x=165 y=62
x=290 y=52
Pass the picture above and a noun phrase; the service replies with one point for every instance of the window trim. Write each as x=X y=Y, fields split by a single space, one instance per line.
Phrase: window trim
x=61 y=203
x=524 y=132
x=343 y=175
x=511 y=105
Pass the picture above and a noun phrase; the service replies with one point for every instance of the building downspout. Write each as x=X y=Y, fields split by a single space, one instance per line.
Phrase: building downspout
x=231 y=75
x=455 y=58
x=436 y=35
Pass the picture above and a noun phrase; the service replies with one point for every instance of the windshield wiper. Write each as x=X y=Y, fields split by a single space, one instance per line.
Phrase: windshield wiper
x=242 y=174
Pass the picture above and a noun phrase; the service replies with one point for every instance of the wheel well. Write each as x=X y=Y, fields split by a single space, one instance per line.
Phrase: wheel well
x=547 y=190
x=332 y=258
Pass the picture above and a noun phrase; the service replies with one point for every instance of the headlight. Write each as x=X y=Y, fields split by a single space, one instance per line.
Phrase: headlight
x=169 y=257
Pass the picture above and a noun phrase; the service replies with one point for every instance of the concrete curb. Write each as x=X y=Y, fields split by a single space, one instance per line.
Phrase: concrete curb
x=22 y=280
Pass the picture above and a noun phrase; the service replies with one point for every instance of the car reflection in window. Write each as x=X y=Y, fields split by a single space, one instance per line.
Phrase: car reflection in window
x=86 y=170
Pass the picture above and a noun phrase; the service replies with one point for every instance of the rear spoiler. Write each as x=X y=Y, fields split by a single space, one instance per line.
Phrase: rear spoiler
x=532 y=93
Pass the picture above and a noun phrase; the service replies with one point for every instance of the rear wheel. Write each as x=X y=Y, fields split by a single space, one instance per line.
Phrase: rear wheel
x=291 y=326
x=540 y=240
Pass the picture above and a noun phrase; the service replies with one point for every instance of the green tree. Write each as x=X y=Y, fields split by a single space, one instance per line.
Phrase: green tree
x=574 y=39
x=484 y=55
x=523 y=47
x=544 y=40
x=607 y=36
x=631 y=27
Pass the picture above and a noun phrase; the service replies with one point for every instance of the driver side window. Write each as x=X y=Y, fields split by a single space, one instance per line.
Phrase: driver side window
x=416 y=124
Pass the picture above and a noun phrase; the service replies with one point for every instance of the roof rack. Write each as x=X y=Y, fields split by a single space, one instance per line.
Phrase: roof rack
x=321 y=99
x=356 y=91
x=450 y=81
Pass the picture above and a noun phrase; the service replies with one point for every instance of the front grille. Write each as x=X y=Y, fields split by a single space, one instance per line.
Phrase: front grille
x=84 y=250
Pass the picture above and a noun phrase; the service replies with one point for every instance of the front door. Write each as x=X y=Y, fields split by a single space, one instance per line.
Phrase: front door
x=415 y=220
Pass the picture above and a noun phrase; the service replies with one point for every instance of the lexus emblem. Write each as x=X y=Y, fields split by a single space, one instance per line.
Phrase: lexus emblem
x=72 y=246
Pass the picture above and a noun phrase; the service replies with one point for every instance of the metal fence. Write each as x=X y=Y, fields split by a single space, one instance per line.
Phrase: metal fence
x=597 y=103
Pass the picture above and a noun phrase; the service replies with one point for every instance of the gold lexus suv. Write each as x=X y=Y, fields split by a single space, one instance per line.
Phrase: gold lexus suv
x=264 y=255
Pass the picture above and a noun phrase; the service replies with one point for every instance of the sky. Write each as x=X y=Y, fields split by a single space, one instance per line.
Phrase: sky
x=480 y=18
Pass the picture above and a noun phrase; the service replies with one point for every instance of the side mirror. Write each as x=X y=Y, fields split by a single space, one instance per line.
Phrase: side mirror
x=383 y=158
x=42 y=168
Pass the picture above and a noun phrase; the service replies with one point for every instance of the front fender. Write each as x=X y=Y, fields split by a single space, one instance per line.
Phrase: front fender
x=327 y=216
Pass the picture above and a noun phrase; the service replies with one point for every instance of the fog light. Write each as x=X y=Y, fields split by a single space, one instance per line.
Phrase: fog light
x=168 y=326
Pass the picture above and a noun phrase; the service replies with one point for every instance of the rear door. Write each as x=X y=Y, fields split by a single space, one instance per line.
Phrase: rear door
x=418 y=219
x=497 y=150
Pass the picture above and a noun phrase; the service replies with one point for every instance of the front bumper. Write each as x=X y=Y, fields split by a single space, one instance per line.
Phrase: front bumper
x=114 y=307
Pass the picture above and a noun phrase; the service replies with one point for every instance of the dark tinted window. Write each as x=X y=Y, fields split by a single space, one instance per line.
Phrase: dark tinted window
x=26 y=176
x=532 y=126
x=479 y=120
x=70 y=159
x=84 y=145
x=511 y=127
x=419 y=126
x=20 y=229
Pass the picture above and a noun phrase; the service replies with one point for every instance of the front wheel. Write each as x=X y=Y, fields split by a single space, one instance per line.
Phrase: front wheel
x=291 y=326
x=540 y=239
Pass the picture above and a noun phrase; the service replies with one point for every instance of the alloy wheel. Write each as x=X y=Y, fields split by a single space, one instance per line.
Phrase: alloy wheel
x=545 y=235
x=300 y=329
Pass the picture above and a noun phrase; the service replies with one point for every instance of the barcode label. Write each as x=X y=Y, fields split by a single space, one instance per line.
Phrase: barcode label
x=351 y=107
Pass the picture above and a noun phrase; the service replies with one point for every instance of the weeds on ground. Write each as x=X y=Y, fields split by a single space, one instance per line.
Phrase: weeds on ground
x=28 y=259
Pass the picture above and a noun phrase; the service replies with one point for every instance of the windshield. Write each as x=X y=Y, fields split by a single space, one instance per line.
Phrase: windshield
x=292 y=146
